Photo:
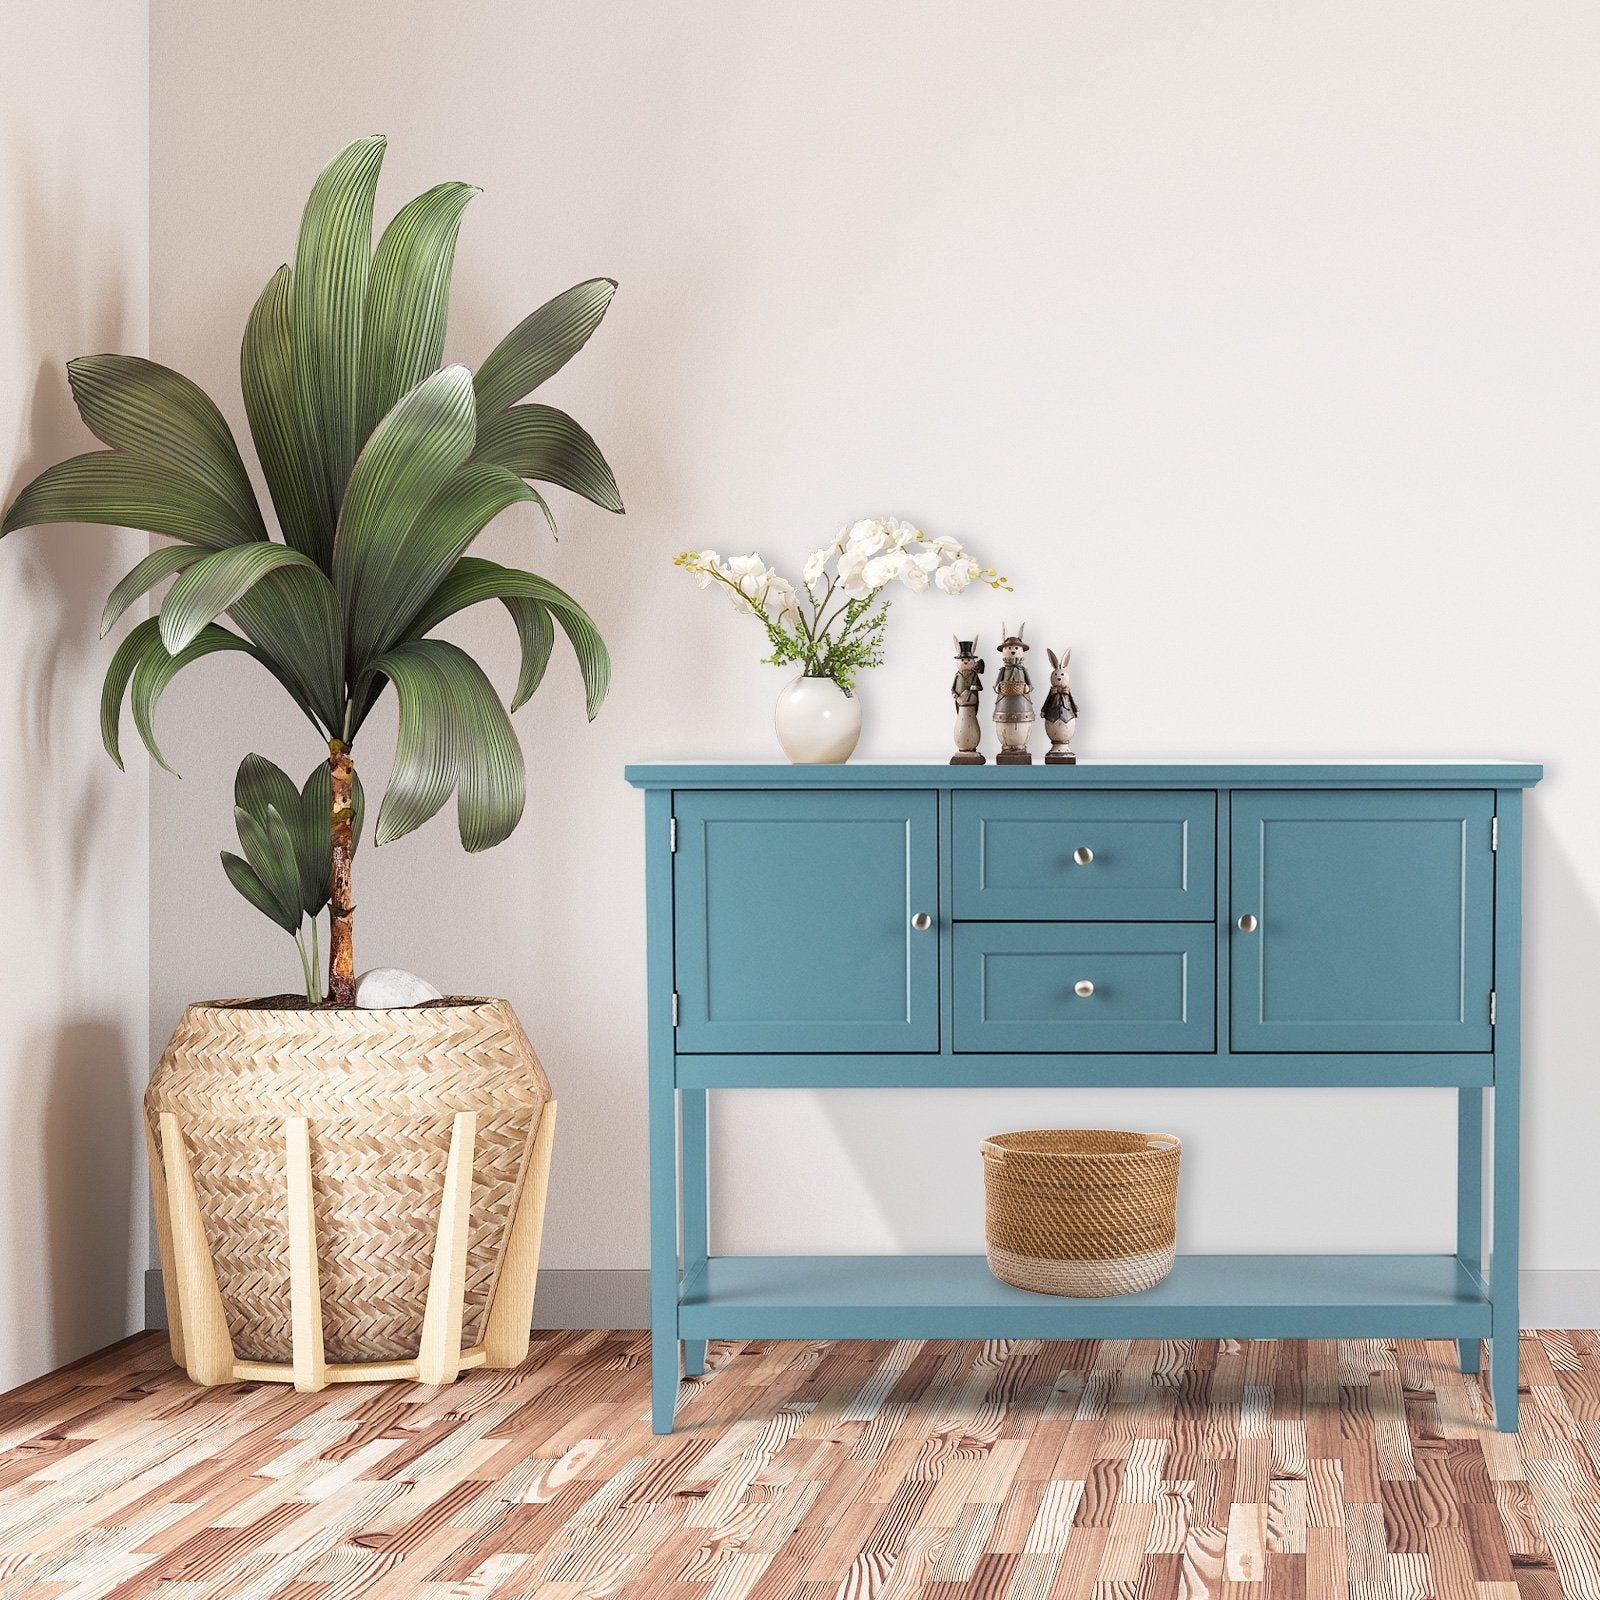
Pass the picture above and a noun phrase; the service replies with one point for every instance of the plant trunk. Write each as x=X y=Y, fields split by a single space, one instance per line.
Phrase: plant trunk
x=341 y=908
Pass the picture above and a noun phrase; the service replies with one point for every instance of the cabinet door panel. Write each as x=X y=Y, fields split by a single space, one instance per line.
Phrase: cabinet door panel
x=1375 y=920
x=792 y=921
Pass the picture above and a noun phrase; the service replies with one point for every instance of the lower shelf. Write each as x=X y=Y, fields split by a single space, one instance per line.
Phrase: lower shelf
x=1204 y=1297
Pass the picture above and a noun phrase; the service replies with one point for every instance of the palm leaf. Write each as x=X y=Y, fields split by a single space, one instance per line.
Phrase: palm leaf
x=144 y=637
x=247 y=881
x=408 y=459
x=292 y=616
x=540 y=442
x=402 y=335
x=541 y=344
x=158 y=415
x=127 y=491
x=160 y=563
x=409 y=566
x=213 y=584
x=266 y=374
x=328 y=294
x=155 y=669
x=474 y=580
x=269 y=848
x=454 y=734
x=260 y=783
x=537 y=636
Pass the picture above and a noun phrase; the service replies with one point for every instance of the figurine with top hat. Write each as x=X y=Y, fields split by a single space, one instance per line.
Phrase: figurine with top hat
x=966 y=688
x=1013 y=706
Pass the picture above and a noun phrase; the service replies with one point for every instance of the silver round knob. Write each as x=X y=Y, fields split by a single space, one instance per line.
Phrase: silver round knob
x=1083 y=855
x=1248 y=924
x=1083 y=988
x=922 y=922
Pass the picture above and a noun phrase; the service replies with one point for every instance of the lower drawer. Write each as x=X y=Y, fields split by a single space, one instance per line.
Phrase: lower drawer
x=1088 y=987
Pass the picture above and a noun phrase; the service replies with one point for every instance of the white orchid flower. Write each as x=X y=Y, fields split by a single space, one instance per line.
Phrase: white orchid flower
x=884 y=569
x=954 y=578
x=868 y=537
x=781 y=604
x=817 y=564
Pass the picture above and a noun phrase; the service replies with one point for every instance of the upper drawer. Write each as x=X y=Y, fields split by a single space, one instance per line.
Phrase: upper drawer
x=1108 y=855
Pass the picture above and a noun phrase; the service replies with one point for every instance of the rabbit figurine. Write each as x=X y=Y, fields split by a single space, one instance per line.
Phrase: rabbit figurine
x=1060 y=712
x=1013 y=707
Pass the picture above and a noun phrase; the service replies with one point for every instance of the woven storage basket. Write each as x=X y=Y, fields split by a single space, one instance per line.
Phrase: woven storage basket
x=1081 y=1211
x=380 y=1091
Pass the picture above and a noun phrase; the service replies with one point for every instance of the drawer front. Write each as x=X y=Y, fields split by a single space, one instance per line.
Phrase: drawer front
x=1017 y=987
x=1085 y=856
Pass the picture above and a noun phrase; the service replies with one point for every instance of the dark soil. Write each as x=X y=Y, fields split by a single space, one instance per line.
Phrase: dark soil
x=298 y=1002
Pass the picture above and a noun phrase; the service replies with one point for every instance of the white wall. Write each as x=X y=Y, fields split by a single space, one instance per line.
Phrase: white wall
x=74 y=196
x=1258 y=342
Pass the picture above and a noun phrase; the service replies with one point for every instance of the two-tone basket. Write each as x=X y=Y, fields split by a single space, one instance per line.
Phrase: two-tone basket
x=1081 y=1211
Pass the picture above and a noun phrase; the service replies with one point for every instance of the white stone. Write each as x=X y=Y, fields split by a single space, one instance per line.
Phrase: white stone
x=384 y=988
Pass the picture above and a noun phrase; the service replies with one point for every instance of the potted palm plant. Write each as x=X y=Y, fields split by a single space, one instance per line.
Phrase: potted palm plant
x=338 y=1186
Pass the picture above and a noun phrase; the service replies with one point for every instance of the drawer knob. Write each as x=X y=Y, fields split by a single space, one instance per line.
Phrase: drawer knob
x=1083 y=855
x=922 y=922
x=1083 y=988
x=1248 y=924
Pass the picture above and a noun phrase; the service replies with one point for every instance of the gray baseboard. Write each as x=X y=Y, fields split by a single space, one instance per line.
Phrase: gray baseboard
x=1558 y=1299
x=566 y=1299
x=580 y=1298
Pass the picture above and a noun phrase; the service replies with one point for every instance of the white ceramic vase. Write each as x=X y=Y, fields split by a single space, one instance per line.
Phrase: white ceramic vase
x=817 y=721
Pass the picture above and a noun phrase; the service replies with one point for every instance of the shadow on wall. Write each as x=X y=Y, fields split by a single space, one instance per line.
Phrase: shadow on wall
x=89 y=1119
x=68 y=1191
x=72 y=829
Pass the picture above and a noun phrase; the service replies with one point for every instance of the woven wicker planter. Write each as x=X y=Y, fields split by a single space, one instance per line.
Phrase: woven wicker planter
x=1081 y=1212
x=348 y=1194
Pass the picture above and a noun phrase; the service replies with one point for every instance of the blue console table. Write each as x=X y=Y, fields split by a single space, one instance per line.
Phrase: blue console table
x=1331 y=923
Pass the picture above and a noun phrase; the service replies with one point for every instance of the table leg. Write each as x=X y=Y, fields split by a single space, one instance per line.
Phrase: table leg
x=663 y=1256
x=1505 y=1256
x=1504 y=1259
x=1469 y=1202
x=694 y=1156
x=663 y=1114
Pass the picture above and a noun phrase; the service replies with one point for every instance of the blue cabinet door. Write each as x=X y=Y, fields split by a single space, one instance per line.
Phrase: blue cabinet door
x=794 y=921
x=1373 y=920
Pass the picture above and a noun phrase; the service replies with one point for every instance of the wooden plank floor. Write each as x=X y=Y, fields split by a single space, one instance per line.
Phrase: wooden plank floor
x=1150 y=1470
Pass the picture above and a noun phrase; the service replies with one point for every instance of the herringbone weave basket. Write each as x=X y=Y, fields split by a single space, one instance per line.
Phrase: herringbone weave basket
x=380 y=1090
x=1081 y=1211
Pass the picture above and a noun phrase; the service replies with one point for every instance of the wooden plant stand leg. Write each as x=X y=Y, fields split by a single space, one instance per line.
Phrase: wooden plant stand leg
x=169 y=1268
x=439 y=1359
x=305 y=1283
x=507 y=1327
x=208 y=1347
x=199 y=1328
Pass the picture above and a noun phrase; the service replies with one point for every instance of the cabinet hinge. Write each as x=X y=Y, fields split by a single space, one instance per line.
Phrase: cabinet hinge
x=1491 y=1008
x=674 y=836
x=1494 y=833
x=675 y=1008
